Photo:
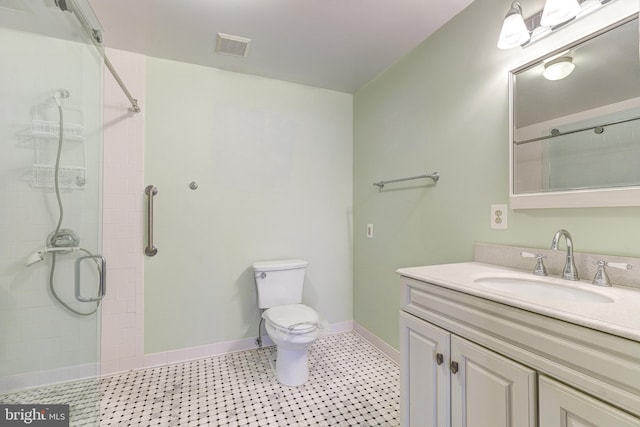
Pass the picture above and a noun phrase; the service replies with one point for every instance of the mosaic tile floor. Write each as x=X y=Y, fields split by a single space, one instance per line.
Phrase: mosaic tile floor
x=350 y=384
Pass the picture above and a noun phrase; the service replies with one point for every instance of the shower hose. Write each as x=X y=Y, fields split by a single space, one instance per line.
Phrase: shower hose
x=60 y=217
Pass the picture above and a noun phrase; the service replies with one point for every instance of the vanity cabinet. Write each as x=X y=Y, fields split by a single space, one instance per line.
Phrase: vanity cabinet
x=424 y=375
x=562 y=406
x=472 y=362
x=449 y=381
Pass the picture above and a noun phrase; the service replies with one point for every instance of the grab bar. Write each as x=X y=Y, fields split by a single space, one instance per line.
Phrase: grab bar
x=102 y=268
x=434 y=176
x=150 y=191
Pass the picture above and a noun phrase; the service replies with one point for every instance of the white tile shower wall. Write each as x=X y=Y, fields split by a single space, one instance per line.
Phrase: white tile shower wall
x=41 y=342
x=123 y=307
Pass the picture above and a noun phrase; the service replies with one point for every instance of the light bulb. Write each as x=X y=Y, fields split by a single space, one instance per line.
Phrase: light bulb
x=558 y=11
x=514 y=31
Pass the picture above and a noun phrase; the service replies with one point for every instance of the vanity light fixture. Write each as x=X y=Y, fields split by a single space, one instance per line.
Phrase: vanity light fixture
x=519 y=31
x=559 y=68
x=514 y=31
x=556 y=12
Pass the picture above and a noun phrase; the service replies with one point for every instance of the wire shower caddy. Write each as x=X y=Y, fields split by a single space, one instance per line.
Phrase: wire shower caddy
x=45 y=130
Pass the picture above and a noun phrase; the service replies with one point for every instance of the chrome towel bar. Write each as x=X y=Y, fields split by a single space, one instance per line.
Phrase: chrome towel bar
x=434 y=176
x=150 y=191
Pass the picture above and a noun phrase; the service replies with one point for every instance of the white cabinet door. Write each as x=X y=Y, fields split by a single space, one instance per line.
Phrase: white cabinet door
x=424 y=373
x=562 y=406
x=488 y=390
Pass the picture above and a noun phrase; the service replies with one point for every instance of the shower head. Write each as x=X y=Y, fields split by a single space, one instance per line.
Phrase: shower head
x=59 y=95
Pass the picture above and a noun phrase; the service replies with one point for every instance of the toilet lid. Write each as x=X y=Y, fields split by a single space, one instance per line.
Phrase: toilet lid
x=295 y=317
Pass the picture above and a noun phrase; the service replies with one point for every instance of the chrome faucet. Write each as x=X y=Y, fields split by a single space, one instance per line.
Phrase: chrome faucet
x=570 y=272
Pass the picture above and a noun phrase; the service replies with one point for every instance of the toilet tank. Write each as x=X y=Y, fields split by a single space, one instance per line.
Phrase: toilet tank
x=279 y=282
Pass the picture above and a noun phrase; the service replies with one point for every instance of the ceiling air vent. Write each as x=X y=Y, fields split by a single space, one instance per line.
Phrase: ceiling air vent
x=232 y=45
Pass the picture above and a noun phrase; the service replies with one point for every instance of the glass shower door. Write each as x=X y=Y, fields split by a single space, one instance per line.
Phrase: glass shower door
x=51 y=275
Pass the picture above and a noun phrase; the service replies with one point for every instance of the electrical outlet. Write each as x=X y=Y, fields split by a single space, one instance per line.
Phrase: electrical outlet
x=370 y=231
x=499 y=217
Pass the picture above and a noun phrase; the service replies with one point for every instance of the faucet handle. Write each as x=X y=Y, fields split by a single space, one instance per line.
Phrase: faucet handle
x=539 y=269
x=602 y=278
x=620 y=265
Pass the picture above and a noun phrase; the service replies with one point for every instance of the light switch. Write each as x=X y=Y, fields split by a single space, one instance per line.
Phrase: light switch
x=370 y=231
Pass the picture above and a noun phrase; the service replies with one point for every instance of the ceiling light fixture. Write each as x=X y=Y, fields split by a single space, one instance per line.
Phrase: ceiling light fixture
x=558 y=68
x=519 y=31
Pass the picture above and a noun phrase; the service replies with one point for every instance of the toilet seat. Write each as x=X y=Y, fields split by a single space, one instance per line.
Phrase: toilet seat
x=292 y=318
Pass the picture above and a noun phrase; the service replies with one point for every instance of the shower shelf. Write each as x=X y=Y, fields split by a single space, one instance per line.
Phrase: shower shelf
x=47 y=129
x=69 y=177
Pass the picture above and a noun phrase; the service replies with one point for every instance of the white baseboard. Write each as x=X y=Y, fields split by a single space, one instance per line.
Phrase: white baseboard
x=217 y=349
x=340 y=327
x=202 y=351
x=382 y=346
x=20 y=382
x=29 y=380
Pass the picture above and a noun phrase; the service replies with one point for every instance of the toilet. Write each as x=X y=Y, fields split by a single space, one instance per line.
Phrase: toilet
x=291 y=325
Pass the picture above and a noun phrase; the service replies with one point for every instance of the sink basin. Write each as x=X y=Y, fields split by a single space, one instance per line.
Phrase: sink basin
x=532 y=289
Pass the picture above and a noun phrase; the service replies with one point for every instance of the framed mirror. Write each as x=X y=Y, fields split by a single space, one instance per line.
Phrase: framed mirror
x=575 y=123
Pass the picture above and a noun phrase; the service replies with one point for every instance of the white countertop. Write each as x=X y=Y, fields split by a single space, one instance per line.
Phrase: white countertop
x=620 y=317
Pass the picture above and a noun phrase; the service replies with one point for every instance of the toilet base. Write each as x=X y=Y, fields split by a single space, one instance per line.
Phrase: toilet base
x=292 y=367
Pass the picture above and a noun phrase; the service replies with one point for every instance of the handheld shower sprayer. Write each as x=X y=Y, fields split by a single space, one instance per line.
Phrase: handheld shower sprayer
x=64 y=240
x=35 y=258
x=61 y=241
x=39 y=255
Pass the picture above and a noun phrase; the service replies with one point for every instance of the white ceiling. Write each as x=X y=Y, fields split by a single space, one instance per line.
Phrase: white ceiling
x=333 y=44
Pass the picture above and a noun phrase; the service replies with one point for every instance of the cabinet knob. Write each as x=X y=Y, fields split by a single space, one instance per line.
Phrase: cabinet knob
x=454 y=367
x=439 y=358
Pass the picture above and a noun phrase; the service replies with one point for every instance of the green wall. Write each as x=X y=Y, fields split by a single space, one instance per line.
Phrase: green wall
x=273 y=161
x=444 y=108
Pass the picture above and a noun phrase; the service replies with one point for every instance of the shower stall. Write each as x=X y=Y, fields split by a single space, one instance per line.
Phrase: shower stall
x=52 y=276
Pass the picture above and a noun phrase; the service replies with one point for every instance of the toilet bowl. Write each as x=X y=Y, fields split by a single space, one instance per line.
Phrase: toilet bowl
x=291 y=325
x=292 y=328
